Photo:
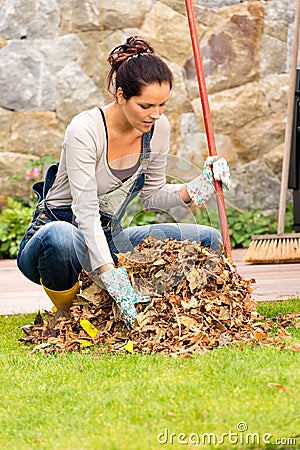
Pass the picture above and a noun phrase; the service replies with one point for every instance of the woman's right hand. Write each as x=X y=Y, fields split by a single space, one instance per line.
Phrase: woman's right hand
x=117 y=284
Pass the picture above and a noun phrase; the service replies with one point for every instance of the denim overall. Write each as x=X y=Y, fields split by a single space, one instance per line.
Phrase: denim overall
x=59 y=271
x=111 y=223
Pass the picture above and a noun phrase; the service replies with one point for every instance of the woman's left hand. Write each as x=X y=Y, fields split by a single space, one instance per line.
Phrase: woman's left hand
x=201 y=188
x=219 y=169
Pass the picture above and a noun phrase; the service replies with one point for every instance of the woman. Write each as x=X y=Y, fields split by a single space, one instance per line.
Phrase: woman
x=110 y=155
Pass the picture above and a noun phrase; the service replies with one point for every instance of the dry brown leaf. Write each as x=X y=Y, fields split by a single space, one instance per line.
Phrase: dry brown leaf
x=277 y=386
x=159 y=262
x=282 y=333
x=90 y=294
x=295 y=347
x=224 y=313
x=188 y=322
x=259 y=335
x=196 y=279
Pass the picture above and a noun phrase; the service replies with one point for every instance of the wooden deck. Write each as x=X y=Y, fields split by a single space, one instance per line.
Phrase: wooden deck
x=273 y=281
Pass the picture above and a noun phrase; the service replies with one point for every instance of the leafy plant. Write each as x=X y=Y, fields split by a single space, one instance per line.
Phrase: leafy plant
x=144 y=218
x=34 y=169
x=136 y=216
x=242 y=225
x=14 y=220
x=41 y=164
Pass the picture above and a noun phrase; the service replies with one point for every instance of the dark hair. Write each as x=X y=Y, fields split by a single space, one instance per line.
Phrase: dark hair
x=135 y=65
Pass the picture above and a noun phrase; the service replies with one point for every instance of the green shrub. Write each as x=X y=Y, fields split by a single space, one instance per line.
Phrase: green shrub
x=14 y=220
x=16 y=216
x=243 y=225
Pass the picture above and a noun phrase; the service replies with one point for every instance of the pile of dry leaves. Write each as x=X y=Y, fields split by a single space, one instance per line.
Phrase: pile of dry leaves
x=198 y=302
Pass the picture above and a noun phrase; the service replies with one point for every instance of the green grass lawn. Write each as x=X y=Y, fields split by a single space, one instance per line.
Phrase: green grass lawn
x=91 y=402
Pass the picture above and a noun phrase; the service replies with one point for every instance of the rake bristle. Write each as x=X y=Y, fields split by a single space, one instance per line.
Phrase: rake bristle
x=274 y=249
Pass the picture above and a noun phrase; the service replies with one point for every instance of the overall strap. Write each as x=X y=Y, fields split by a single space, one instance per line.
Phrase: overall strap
x=41 y=188
x=49 y=178
x=145 y=155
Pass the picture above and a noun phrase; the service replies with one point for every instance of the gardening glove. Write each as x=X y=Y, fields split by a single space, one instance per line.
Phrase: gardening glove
x=117 y=284
x=201 y=188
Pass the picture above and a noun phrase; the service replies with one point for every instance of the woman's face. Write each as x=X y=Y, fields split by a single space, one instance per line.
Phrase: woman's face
x=142 y=111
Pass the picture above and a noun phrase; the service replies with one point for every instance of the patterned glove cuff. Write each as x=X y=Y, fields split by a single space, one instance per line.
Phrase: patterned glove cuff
x=117 y=283
x=200 y=190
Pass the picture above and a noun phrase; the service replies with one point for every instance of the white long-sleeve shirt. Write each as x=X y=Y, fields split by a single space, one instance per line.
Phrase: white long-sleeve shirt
x=84 y=174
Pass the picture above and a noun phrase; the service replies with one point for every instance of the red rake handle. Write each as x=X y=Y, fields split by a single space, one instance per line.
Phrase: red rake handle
x=208 y=123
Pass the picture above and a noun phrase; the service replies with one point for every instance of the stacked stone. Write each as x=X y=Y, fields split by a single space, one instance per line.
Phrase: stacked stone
x=52 y=66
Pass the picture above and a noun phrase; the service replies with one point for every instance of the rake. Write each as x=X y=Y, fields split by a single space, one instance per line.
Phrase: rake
x=208 y=123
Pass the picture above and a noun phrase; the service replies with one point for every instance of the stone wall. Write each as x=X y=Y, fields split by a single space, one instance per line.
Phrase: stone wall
x=53 y=65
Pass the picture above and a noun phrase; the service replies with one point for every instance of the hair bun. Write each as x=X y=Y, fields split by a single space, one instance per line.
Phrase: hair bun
x=134 y=46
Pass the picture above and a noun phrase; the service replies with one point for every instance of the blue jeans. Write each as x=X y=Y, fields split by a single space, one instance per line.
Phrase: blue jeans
x=57 y=252
x=130 y=237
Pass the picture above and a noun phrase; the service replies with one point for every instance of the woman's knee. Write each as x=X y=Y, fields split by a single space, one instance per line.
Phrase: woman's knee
x=59 y=236
x=58 y=230
x=130 y=237
x=212 y=239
